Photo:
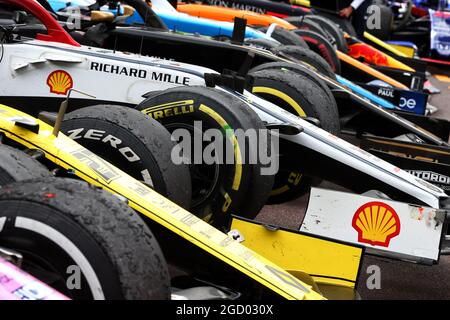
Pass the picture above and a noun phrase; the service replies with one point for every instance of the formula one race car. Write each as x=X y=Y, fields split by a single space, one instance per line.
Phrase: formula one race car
x=163 y=80
x=323 y=36
x=226 y=261
x=409 y=27
x=356 y=113
x=427 y=25
x=408 y=101
x=323 y=31
x=402 y=78
x=179 y=21
x=322 y=154
x=95 y=246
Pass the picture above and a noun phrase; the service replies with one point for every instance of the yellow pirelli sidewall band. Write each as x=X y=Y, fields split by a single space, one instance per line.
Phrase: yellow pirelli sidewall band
x=237 y=151
x=70 y=155
x=221 y=121
x=280 y=190
x=285 y=188
x=277 y=93
x=298 y=110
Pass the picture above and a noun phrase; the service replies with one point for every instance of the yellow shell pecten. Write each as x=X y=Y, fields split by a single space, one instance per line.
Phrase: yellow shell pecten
x=376 y=223
x=60 y=82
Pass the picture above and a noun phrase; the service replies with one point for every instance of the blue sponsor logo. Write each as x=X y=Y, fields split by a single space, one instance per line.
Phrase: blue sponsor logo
x=413 y=102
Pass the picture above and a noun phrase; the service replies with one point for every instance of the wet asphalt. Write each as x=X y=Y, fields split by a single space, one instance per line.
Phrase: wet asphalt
x=399 y=280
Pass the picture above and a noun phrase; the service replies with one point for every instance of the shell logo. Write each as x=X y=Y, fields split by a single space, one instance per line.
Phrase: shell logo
x=60 y=82
x=376 y=223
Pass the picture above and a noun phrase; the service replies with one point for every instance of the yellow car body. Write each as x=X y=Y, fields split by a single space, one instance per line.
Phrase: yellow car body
x=35 y=134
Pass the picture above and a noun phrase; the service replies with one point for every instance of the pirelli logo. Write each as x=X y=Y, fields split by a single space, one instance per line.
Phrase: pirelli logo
x=170 y=109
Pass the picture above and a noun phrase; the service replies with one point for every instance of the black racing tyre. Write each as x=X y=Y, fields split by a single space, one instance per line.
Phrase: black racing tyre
x=16 y=165
x=344 y=24
x=386 y=24
x=320 y=45
x=219 y=189
x=401 y=23
x=151 y=94
x=285 y=37
x=299 y=69
x=307 y=24
x=302 y=97
x=134 y=143
x=309 y=57
x=82 y=241
x=332 y=29
x=261 y=43
x=308 y=99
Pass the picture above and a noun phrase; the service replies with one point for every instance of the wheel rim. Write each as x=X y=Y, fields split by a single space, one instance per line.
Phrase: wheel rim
x=204 y=177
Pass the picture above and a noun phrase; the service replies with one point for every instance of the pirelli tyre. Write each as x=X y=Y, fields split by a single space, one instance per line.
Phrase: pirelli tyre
x=307 y=56
x=81 y=240
x=344 y=24
x=285 y=37
x=236 y=186
x=305 y=98
x=332 y=29
x=134 y=143
x=406 y=16
x=299 y=69
x=321 y=46
x=261 y=43
x=16 y=165
x=307 y=24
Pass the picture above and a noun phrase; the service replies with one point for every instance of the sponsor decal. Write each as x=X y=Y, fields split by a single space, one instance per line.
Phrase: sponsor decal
x=60 y=82
x=100 y=135
x=376 y=223
x=139 y=73
x=170 y=109
x=410 y=101
x=386 y=92
x=440 y=33
x=119 y=70
x=407 y=103
x=413 y=101
x=103 y=169
x=234 y=5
